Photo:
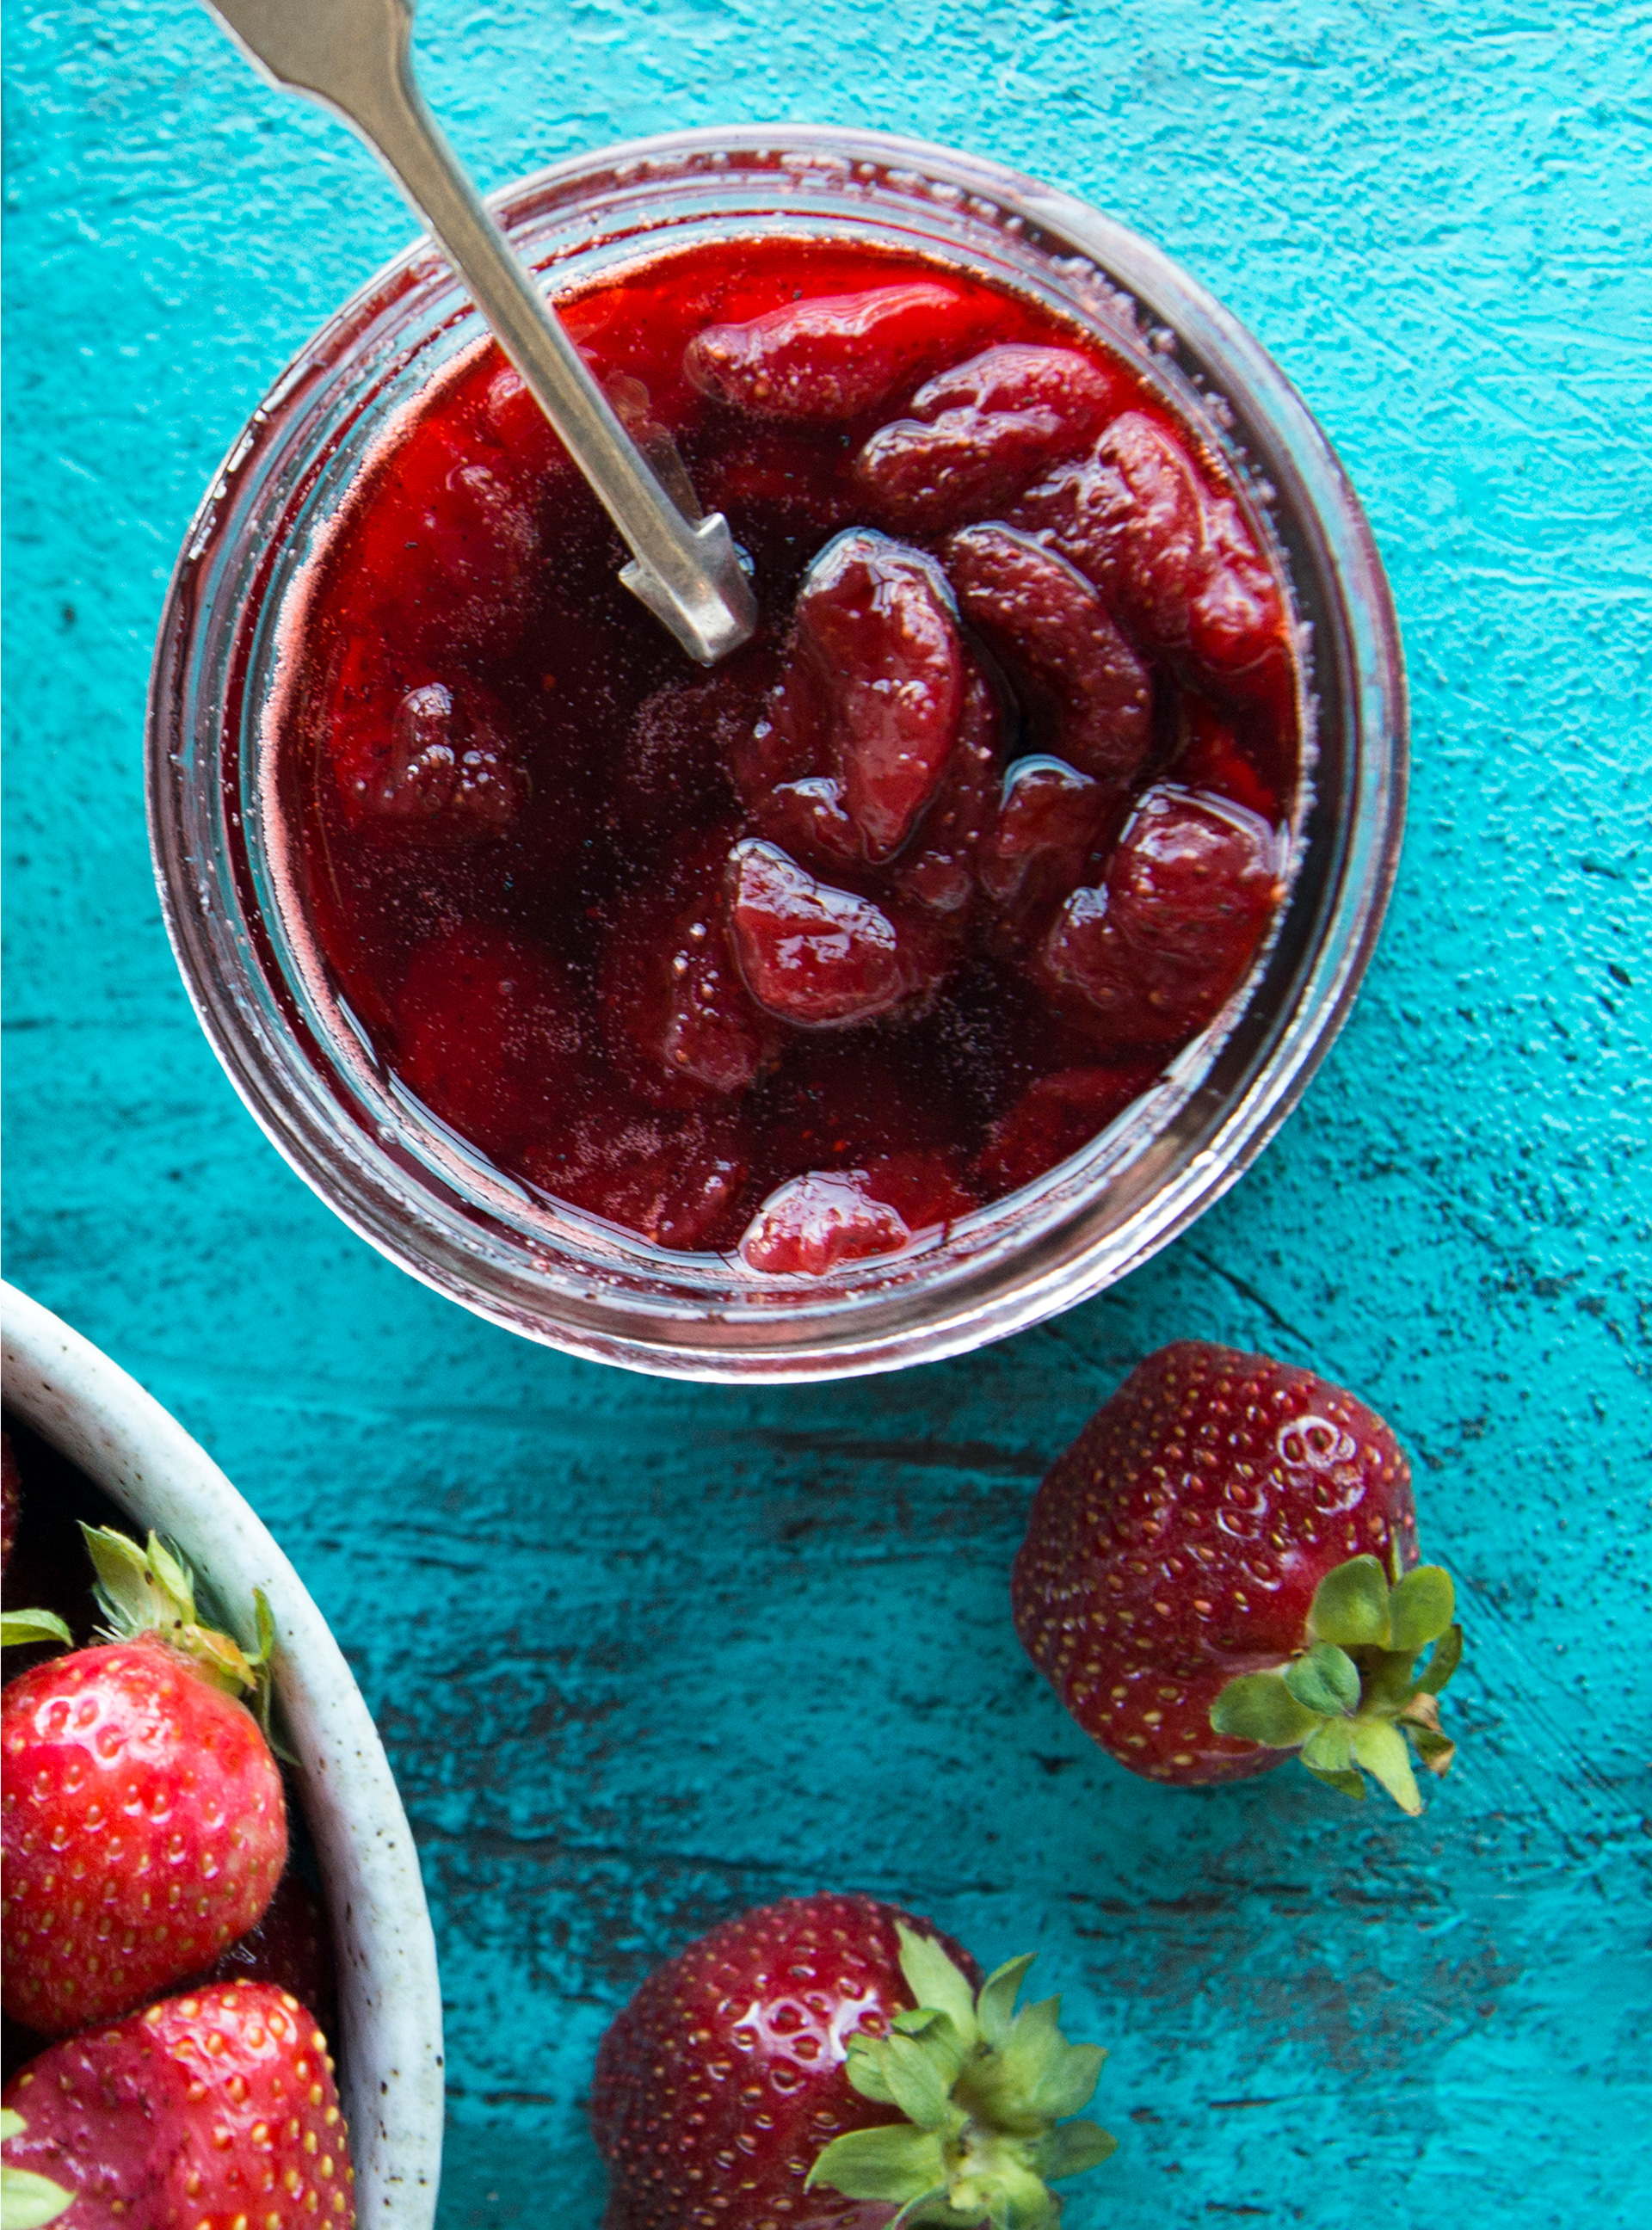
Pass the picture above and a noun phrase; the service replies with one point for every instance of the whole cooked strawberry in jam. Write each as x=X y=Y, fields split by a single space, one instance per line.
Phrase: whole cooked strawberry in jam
x=908 y=899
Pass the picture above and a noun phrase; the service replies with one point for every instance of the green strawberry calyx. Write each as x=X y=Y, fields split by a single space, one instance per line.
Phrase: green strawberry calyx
x=149 y=1593
x=1353 y=1696
x=18 y=1627
x=28 y=2201
x=986 y=2091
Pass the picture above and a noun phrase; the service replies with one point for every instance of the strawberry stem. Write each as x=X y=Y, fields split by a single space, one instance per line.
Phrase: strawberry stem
x=150 y=1593
x=1352 y=1699
x=986 y=2093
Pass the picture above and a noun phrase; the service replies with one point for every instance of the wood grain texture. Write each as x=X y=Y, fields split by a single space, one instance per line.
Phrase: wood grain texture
x=644 y=1654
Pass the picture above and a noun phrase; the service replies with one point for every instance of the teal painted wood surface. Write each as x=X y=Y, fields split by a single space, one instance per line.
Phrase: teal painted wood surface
x=605 y=1622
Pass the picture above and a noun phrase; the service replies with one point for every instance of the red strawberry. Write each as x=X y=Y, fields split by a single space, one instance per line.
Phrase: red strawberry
x=832 y=357
x=938 y=871
x=812 y=954
x=980 y=433
x=813 y=1223
x=830 y=2064
x=1154 y=950
x=1049 y=818
x=671 y=1176
x=200 y=2113
x=877 y=668
x=144 y=1825
x=671 y=1005
x=1168 y=547
x=1057 y=636
x=28 y=2200
x=925 y=1188
x=1223 y=1568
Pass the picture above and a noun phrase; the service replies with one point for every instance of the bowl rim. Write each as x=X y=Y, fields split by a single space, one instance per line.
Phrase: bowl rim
x=451 y=1241
x=390 y=2070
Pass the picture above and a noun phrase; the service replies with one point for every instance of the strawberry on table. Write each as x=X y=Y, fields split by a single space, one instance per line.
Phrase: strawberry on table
x=1222 y=1569
x=144 y=1825
x=215 y=2108
x=828 y=2063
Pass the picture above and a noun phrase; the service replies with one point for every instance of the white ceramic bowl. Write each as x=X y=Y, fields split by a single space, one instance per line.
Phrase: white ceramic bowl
x=390 y=2067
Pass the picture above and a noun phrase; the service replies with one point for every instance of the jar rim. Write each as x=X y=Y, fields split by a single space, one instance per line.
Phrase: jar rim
x=1024 y=1258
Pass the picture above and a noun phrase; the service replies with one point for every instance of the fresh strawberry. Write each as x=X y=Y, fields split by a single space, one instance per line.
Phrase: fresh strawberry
x=1223 y=1568
x=144 y=1825
x=213 y=2109
x=830 y=2064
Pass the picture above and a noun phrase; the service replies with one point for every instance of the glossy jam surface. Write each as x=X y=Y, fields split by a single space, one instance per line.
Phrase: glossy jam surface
x=900 y=906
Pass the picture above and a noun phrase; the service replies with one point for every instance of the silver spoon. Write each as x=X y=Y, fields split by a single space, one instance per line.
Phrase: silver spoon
x=354 y=56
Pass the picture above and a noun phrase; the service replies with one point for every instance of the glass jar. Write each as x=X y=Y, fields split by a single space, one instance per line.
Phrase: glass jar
x=576 y=1281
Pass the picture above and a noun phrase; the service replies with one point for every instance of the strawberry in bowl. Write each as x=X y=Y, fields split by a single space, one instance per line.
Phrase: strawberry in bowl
x=146 y=1823
x=173 y=1887
x=202 y=2108
x=1222 y=1572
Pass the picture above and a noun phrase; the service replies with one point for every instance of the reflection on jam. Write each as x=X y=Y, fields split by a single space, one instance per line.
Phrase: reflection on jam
x=901 y=905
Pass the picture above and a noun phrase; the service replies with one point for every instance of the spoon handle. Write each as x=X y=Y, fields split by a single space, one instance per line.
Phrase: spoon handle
x=355 y=57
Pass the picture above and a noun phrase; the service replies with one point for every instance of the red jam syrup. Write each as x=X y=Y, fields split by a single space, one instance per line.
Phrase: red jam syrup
x=903 y=902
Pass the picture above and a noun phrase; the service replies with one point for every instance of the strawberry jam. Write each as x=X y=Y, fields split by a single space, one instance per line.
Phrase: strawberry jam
x=899 y=906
